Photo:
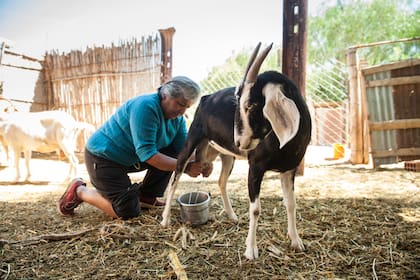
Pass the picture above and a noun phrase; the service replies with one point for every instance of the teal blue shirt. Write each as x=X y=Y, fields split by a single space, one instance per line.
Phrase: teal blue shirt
x=137 y=131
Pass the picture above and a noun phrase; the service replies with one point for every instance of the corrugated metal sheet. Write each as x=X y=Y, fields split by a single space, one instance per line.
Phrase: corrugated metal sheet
x=396 y=102
x=381 y=108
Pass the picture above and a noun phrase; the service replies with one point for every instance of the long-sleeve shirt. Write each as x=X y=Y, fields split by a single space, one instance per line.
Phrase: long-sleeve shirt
x=137 y=131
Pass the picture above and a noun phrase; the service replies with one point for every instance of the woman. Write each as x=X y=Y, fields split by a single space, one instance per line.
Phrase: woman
x=145 y=133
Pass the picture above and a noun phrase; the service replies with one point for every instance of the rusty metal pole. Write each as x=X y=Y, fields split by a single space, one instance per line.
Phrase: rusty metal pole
x=166 y=36
x=295 y=13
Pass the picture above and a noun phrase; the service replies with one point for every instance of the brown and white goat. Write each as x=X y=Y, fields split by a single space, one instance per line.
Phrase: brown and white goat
x=265 y=120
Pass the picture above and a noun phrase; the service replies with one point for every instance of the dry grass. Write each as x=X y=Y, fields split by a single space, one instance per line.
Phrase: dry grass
x=356 y=223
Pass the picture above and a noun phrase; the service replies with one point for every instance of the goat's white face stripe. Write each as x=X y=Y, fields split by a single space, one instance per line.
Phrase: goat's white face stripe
x=244 y=136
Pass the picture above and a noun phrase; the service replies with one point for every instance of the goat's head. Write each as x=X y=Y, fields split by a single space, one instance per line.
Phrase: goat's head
x=262 y=107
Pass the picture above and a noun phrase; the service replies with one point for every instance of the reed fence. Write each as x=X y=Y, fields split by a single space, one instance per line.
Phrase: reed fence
x=91 y=85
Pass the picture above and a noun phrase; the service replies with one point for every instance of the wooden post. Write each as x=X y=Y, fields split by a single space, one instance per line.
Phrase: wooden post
x=48 y=85
x=364 y=113
x=166 y=68
x=295 y=13
x=356 y=121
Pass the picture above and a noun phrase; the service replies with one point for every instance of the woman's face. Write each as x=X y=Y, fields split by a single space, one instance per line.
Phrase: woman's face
x=174 y=107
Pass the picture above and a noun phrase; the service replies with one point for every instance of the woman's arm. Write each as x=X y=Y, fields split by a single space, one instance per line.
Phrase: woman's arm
x=167 y=163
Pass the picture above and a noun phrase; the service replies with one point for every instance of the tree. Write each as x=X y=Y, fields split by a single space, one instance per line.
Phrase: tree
x=359 y=22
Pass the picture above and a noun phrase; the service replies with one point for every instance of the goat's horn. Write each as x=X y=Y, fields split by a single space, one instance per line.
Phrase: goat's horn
x=252 y=73
x=251 y=60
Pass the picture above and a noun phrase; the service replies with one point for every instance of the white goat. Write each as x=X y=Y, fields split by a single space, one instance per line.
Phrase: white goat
x=43 y=132
x=3 y=144
x=6 y=108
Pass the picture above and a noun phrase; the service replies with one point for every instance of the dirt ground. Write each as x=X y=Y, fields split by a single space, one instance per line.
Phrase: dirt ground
x=356 y=223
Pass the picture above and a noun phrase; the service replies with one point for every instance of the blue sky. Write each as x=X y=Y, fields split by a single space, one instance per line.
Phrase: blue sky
x=206 y=31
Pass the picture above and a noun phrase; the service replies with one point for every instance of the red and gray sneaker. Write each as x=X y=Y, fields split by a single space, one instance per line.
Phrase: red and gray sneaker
x=151 y=203
x=69 y=200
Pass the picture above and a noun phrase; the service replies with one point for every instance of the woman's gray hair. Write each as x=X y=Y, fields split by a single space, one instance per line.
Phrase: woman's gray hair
x=180 y=86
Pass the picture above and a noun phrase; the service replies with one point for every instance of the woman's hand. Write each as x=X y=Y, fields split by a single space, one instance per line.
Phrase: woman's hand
x=193 y=168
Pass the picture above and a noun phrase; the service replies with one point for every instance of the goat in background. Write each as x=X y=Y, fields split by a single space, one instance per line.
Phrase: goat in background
x=46 y=131
x=265 y=120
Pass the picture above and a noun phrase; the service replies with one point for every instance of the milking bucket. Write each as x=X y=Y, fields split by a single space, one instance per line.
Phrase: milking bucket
x=194 y=207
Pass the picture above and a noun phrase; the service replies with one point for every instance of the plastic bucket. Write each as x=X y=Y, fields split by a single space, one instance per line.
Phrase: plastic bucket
x=338 y=151
x=194 y=207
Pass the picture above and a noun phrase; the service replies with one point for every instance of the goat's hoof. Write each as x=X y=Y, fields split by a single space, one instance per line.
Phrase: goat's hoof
x=232 y=216
x=298 y=246
x=251 y=253
x=165 y=223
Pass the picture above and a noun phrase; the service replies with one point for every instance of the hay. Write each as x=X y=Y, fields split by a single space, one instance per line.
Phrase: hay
x=371 y=231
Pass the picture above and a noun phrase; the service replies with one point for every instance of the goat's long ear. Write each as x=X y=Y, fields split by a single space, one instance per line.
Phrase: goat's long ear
x=281 y=112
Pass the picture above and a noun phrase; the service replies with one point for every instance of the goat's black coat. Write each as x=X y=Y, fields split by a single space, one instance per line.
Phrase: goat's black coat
x=214 y=121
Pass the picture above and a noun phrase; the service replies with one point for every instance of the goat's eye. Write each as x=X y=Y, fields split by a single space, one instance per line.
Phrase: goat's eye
x=249 y=107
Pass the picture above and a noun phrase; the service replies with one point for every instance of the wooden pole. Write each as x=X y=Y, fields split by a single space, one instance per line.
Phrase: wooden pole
x=295 y=13
x=166 y=68
x=356 y=124
x=364 y=114
x=48 y=84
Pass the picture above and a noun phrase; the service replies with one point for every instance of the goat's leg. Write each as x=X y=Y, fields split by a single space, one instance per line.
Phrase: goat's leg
x=181 y=165
x=227 y=166
x=182 y=162
x=206 y=154
x=255 y=176
x=28 y=155
x=6 y=151
x=289 y=200
x=74 y=161
x=166 y=215
x=16 y=156
x=251 y=251
x=68 y=148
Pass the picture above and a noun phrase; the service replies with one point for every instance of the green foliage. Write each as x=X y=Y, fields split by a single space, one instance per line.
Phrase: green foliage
x=356 y=23
x=364 y=22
